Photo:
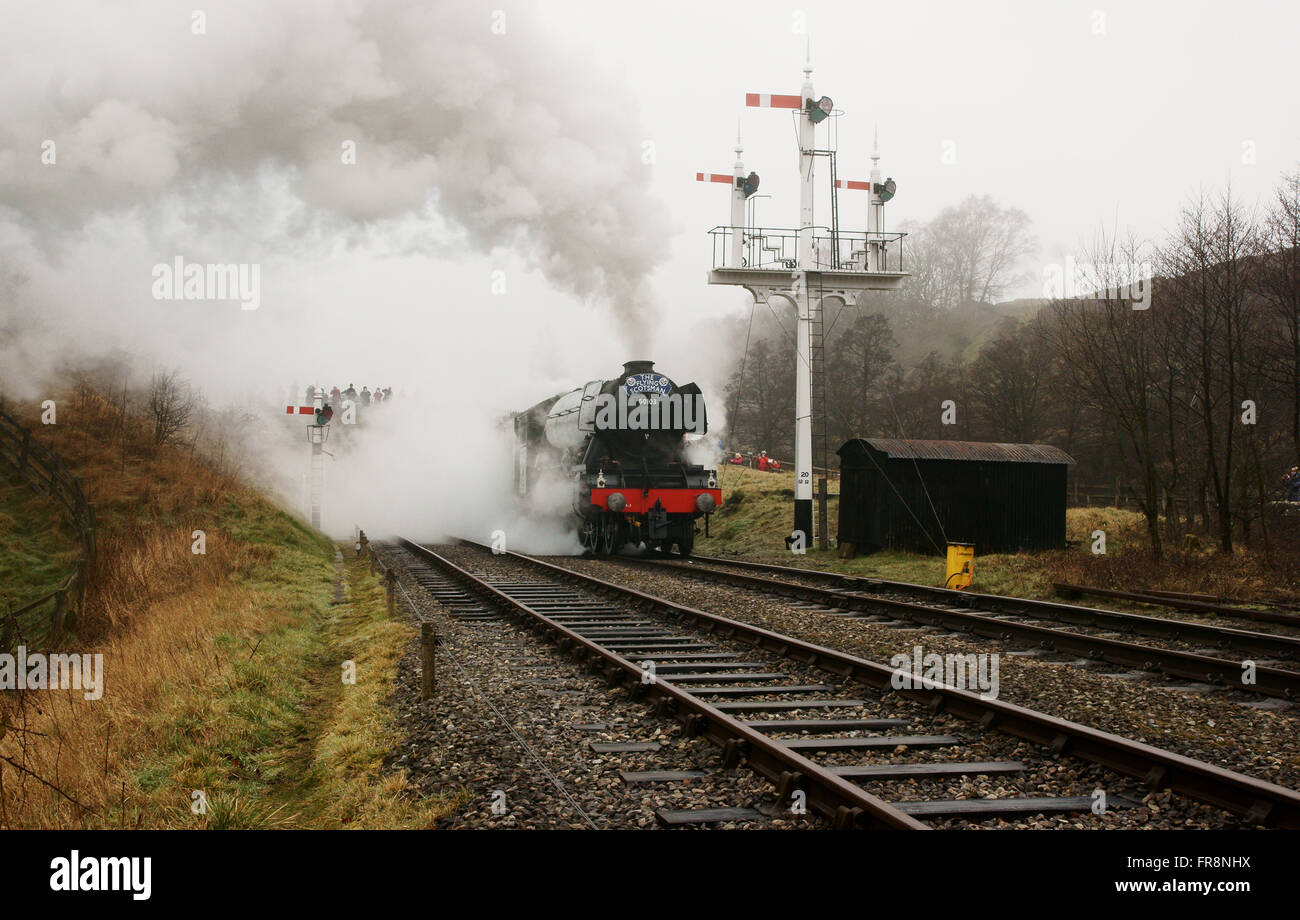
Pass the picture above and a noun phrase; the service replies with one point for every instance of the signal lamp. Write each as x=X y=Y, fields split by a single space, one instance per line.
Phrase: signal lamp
x=817 y=111
x=886 y=189
x=750 y=184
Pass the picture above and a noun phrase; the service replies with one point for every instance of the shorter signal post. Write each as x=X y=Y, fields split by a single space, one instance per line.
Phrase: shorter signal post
x=317 y=434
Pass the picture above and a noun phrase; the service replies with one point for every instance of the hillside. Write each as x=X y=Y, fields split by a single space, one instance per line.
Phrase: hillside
x=37 y=551
x=222 y=704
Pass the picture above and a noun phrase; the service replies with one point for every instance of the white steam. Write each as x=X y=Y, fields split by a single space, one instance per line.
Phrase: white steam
x=396 y=474
x=238 y=136
x=476 y=150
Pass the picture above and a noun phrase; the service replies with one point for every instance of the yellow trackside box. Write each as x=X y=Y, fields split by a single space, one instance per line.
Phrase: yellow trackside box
x=961 y=565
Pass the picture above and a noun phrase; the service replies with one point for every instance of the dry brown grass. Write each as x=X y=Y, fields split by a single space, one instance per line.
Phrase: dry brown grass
x=1246 y=574
x=220 y=669
x=755 y=518
x=87 y=752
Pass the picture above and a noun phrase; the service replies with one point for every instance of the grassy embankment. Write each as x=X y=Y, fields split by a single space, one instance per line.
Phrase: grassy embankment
x=756 y=517
x=37 y=548
x=222 y=670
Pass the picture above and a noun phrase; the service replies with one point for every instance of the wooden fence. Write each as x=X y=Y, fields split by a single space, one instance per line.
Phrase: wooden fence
x=46 y=474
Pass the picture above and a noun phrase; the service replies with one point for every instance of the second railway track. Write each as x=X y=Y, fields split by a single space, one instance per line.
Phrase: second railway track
x=1191 y=651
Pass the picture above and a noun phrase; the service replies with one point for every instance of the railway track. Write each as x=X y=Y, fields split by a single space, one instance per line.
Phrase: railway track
x=800 y=715
x=1191 y=603
x=1056 y=627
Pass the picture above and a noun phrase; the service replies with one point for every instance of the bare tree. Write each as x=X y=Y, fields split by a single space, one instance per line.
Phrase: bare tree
x=1205 y=264
x=1279 y=286
x=763 y=417
x=969 y=253
x=859 y=358
x=1007 y=382
x=171 y=404
x=1110 y=350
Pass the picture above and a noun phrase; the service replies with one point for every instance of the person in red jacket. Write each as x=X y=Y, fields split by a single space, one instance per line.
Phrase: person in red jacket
x=763 y=462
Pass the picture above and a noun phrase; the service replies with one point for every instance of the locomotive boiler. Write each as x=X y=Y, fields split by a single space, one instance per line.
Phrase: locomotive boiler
x=617 y=449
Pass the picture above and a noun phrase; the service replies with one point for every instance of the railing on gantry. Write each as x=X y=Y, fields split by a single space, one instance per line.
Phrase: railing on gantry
x=778 y=248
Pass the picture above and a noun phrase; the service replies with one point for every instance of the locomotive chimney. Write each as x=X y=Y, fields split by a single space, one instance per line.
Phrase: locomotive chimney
x=638 y=367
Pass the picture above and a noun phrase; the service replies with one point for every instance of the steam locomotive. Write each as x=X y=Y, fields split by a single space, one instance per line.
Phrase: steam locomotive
x=617 y=450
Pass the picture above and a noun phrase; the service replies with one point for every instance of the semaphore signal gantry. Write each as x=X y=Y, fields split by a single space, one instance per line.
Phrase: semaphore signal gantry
x=804 y=267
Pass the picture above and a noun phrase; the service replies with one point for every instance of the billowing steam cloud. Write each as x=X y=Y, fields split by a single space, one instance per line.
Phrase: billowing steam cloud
x=453 y=110
x=128 y=141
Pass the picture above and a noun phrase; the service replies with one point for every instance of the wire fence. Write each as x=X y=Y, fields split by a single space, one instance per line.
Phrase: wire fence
x=46 y=474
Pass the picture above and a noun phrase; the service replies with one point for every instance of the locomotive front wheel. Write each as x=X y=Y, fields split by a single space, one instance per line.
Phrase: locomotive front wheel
x=590 y=537
x=609 y=537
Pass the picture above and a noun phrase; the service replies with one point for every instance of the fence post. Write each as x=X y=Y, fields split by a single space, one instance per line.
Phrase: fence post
x=59 y=617
x=427 y=682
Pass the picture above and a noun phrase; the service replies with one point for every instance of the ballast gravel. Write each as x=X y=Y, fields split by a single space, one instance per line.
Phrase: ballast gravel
x=510 y=728
x=1217 y=727
x=495 y=672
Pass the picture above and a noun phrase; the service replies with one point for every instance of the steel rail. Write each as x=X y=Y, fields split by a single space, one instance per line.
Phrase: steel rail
x=1159 y=627
x=1257 y=800
x=843 y=802
x=1179 y=603
x=1225 y=672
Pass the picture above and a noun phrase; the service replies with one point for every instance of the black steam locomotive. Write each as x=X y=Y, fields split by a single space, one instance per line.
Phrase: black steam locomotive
x=620 y=445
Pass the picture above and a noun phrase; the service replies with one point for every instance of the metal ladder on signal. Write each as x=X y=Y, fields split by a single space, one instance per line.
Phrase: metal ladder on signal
x=835 y=215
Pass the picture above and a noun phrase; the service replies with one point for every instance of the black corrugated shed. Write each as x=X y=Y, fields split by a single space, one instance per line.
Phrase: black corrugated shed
x=1002 y=497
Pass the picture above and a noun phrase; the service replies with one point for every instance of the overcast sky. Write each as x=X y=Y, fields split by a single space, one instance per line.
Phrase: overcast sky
x=1076 y=112
x=224 y=147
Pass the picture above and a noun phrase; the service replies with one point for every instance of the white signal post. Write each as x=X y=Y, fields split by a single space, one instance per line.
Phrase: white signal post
x=875 y=208
x=817 y=272
x=736 y=251
x=738 y=210
x=316 y=434
x=803 y=465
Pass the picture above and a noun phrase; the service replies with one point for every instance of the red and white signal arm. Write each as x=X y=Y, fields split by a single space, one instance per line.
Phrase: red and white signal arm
x=853 y=184
x=302 y=410
x=715 y=177
x=772 y=101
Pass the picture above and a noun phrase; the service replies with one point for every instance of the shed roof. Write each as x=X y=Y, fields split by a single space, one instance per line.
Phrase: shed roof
x=908 y=449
